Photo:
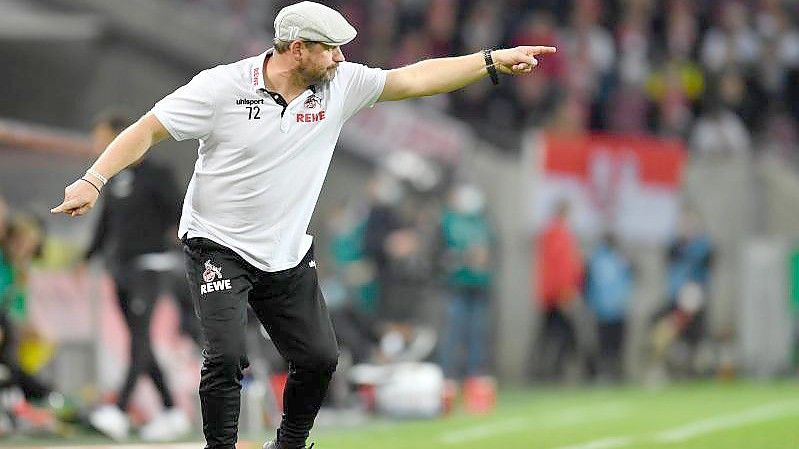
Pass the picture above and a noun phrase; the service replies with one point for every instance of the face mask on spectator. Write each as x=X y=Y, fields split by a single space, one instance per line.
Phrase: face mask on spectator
x=468 y=199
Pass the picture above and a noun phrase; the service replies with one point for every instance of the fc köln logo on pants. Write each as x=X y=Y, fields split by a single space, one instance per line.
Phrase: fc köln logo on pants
x=213 y=279
x=211 y=272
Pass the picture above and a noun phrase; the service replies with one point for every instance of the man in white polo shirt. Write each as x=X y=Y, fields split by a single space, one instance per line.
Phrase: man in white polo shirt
x=267 y=127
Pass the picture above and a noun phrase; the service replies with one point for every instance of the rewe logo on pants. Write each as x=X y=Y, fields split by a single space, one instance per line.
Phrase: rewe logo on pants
x=210 y=276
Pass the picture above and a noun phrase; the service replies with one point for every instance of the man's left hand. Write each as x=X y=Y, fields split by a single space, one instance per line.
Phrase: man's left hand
x=519 y=60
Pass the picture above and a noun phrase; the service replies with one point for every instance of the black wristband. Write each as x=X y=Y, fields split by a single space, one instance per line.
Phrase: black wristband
x=492 y=69
x=95 y=187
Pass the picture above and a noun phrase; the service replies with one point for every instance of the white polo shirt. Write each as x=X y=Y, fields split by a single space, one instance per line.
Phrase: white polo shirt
x=260 y=167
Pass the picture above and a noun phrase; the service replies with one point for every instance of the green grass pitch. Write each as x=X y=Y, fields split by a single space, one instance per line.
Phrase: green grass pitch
x=738 y=415
x=696 y=416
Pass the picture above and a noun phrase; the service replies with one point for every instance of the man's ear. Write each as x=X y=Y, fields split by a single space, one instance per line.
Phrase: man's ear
x=295 y=48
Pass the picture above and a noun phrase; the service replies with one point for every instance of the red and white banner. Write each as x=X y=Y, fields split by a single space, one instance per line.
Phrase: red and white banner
x=627 y=184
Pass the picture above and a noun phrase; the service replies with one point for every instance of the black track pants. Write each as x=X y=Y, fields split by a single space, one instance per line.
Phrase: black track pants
x=290 y=306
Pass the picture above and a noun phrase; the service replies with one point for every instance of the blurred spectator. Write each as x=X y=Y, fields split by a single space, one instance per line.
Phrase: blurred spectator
x=349 y=259
x=467 y=244
x=591 y=53
x=22 y=243
x=719 y=131
x=536 y=96
x=559 y=276
x=441 y=25
x=357 y=332
x=396 y=246
x=628 y=108
x=634 y=43
x=673 y=88
x=385 y=194
x=609 y=286
x=689 y=264
x=483 y=26
x=139 y=207
x=350 y=288
x=731 y=42
x=388 y=242
x=780 y=47
x=682 y=28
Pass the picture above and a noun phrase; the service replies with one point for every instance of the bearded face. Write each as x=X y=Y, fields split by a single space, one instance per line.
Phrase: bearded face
x=317 y=74
x=320 y=63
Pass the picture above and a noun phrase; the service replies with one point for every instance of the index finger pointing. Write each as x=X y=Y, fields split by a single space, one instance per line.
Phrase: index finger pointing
x=65 y=206
x=539 y=50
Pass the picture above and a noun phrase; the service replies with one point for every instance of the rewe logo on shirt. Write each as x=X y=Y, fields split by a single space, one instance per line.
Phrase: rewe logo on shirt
x=310 y=118
x=211 y=284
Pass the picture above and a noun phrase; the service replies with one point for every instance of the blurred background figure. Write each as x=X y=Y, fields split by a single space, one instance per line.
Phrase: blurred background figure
x=350 y=286
x=383 y=218
x=27 y=402
x=402 y=258
x=139 y=208
x=468 y=244
x=680 y=326
x=20 y=245
x=559 y=276
x=608 y=291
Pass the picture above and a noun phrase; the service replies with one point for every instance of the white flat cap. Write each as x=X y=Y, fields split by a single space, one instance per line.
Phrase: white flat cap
x=310 y=21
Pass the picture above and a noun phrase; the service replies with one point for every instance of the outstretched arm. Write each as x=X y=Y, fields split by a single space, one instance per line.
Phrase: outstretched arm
x=441 y=75
x=127 y=148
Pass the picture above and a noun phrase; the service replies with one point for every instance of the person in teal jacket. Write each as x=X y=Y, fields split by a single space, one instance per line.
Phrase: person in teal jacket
x=468 y=243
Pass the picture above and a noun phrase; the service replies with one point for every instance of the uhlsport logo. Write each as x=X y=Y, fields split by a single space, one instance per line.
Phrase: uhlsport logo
x=249 y=101
x=210 y=276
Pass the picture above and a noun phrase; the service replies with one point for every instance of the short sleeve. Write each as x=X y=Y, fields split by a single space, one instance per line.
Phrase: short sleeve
x=362 y=87
x=188 y=112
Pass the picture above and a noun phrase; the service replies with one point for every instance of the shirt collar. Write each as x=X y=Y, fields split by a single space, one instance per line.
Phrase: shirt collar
x=257 y=77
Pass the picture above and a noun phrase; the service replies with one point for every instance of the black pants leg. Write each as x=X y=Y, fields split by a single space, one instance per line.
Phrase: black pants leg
x=290 y=306
x=223 y=319
x=558 y=344
x=137 y=291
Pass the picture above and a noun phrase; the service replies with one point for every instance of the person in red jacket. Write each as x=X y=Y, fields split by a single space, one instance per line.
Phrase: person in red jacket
x=559 y=276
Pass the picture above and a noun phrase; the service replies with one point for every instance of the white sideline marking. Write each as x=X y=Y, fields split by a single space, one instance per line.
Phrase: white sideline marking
x=579 y=415
x=687 y=432
x=484 y=431
x=759 y=414
x=605 y=443
x=562 y=418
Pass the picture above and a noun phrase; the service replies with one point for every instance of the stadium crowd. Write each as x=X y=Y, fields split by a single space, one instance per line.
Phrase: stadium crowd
x=671 y=68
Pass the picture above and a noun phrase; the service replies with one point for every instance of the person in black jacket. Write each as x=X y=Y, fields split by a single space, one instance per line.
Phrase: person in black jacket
x=138 y=213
